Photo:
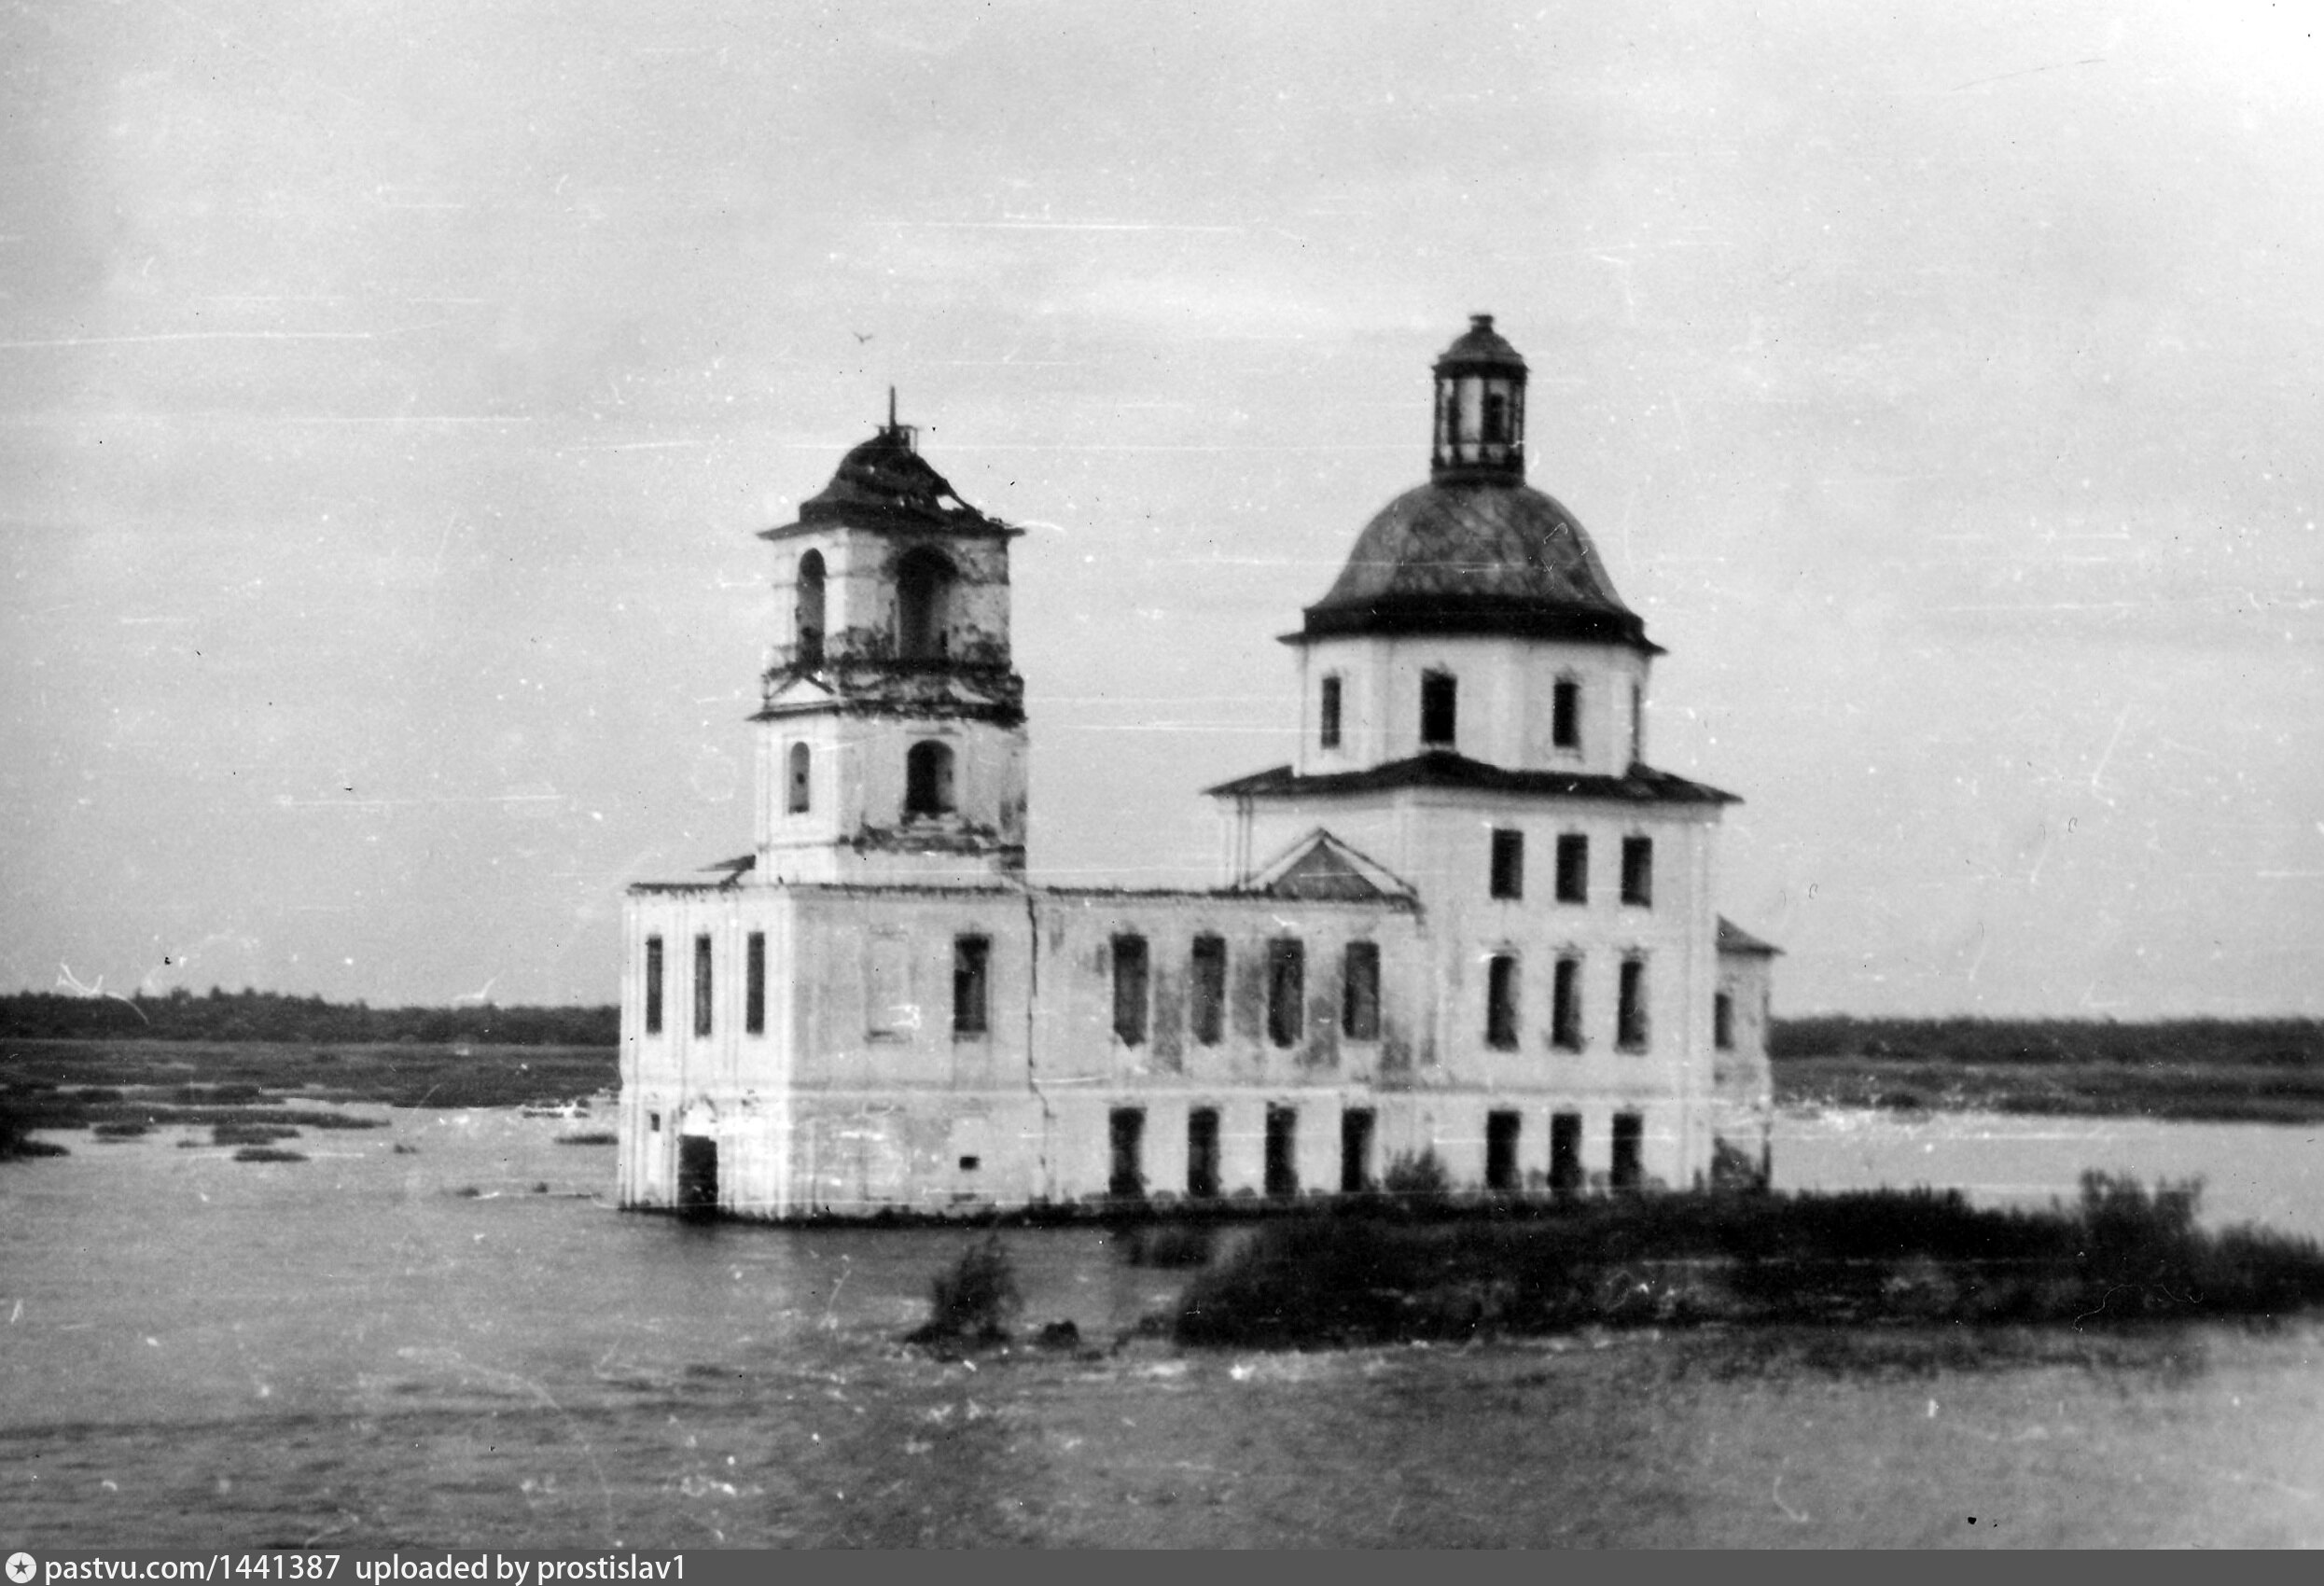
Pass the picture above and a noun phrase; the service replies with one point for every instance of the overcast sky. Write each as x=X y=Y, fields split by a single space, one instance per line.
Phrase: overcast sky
x=389 y=394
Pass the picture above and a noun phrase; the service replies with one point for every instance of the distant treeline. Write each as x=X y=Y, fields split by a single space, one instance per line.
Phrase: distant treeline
x=250 y=1015
x=2251 y=1042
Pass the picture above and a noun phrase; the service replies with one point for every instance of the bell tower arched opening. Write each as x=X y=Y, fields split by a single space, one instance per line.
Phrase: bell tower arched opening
x=925 y=581
x=807 y=617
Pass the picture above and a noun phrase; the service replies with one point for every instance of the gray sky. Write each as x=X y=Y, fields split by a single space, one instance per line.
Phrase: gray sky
x=389 y=392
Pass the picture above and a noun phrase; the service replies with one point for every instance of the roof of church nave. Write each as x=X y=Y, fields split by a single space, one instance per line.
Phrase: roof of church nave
x=1441 y=767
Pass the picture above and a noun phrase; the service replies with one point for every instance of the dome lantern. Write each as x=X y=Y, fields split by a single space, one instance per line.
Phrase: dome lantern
x=1480 y=407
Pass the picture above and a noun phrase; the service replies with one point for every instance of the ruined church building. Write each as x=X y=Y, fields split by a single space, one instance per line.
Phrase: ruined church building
x=1469 y=919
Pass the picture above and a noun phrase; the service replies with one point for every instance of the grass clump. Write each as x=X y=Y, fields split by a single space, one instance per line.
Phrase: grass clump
x=590 y=1137
x=267 y=1153
x=2124 y=1254
x=974 y=1300
x=1170 y=1244
x=122 y=1129
x=251 y=1134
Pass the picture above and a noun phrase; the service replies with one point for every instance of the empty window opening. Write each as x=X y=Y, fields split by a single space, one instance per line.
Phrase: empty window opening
x=1127 y=1128
x=653 y=1124
x=1630 y=1007
x=928 y=779
x=755 y=983
x=1629 y=1172
x=1500 y=1152
x=1206 y=1013
x=1283 y=1136
x=1440 y=709
x=1637 y=724
x=1565 y=714
x=1566 y=1005
x=1286 y=990
x=1509 y=864
x=808 y=618
x=702 y=985
x=1496 y=429
x=698 y=1175
x=1565 y=1152
x=1723 y=1022
x=653 y=985
x=972 y=958
x=1359 y=992
x=1356 y=1127
x=1202 y=1153
x=1500 y=1002
x=1129 y=956
x=924 y=585
x=799 y=779
x=969 y=1164
x=1573 y=868
x=1638 y=870
x=1327 y=715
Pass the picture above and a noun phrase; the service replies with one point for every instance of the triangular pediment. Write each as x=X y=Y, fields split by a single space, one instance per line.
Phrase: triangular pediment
x=1321 y=866
x=800 y=688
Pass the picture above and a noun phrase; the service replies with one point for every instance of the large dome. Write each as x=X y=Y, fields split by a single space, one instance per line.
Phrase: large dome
x=1475 y=557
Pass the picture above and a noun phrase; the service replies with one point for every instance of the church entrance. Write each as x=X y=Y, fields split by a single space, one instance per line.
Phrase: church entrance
x=698 y=1175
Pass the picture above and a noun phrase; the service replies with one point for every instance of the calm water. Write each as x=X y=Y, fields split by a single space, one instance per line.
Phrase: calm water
x=349 y=1351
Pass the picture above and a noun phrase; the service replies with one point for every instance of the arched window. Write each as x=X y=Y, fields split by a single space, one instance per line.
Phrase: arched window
x=924 y=586
x=809 y=615
x=802 y=761
x=928 y=779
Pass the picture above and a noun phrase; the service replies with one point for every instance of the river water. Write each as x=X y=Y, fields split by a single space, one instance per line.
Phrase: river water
x=355 y=1351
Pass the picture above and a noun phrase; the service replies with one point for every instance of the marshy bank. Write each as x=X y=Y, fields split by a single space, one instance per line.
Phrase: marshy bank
x=2122 y=1255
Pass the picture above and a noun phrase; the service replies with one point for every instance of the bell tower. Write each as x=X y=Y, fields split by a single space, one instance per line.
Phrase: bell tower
x=892 y=738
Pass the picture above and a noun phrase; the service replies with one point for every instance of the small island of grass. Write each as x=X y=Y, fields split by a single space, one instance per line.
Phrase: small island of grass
x=1376 y=1276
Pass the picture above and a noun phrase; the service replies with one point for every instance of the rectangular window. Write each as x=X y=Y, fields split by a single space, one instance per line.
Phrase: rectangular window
x=1723 y=1022
x=1566 y=1006
x=1283 y=1136
x=1629 y=1139
x=890 y=1011
x=1286 y=990
x=800 y=764
x=1500 y=1002
x=1202 y=1153
x=1355 y=1133
x=755 y=983
x=1359 y=992
x=1573 y=868
x=1565 y=714
x=1129 y=953
x=1638 y=870
x=702 y=985
x=1509 y=864
x=1500 y=1152
x=972 y=960
x=1637 y=724
x=1630 y=1009
x=1328 y=731
x=1127 y=1129
x=1565 y=1153
x=1439 y=699
x=653 y=985
x=1206 y=1011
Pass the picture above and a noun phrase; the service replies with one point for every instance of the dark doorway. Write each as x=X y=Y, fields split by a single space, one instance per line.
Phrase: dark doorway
x=1282 y=1133
x=1629 y=1138
x=1500 y=1152
x=1202 y=1153
x=698 y=1175
x=1355 y=1131
x=1128 y=1178
x=1566 y=1154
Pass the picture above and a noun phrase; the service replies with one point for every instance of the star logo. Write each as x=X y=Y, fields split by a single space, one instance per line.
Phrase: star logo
x=21 y=1568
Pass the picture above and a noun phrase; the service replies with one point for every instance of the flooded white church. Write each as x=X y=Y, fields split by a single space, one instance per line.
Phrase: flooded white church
x=1469 y=920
